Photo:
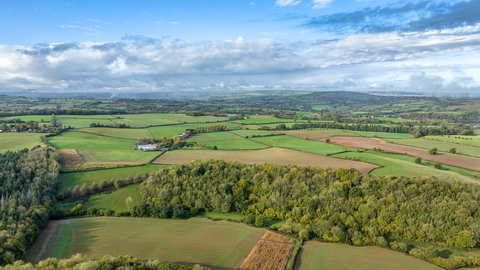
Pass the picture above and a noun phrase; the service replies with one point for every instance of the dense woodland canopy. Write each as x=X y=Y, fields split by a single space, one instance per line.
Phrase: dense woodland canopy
x=28 y=183
x=337 y=206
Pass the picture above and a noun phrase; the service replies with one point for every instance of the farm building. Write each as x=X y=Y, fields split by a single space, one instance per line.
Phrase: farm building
x=147 y=147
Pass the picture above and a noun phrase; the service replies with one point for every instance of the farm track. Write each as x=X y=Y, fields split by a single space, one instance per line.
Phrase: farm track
x=54 y=225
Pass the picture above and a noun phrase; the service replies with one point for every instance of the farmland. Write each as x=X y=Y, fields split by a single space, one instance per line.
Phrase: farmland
x=226 y=141
x=328 y=256
x=223 y=244
x=18 y=141
x=470 y=140
x=167 y=131
x=441 y=146
x=88 y=141
x=146 y=120
x=117 y=156
x=125 y=133
x=69 y=180
x=276 y=156
x=314 y=147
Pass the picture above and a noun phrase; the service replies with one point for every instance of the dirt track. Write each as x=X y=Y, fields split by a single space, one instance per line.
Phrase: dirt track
x=444 y=158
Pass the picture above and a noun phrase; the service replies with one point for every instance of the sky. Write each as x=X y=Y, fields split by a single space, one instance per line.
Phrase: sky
x=234 y=45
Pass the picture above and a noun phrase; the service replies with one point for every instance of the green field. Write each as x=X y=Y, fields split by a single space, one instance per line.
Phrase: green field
x=250 y=133
x=398 y=165
x=117 y=156
x=384 y=134
x=167 y=131
x=396 y=120
x=88 y=141
x=475 y=140
x=125 y=133
x=227 y=124
x=262 y=120
x=314 y=147
x=441 y=146
x=328 y=256
x=69 y=180
x=219 y=245
x=145 y=120
x=214 y=136
x=240 y=144
x=14 y=141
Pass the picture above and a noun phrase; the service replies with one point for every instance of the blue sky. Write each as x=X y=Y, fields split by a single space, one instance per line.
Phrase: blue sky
x=111 y=46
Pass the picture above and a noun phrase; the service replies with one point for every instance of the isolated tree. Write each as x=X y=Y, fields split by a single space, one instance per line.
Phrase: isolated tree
x=215 y=147
x=53 y=120
x=345 y=148
x=432 y=151
x=452 y=150
x=438 y=166
x=327 y=140
x=418 y=160
x=129 y=202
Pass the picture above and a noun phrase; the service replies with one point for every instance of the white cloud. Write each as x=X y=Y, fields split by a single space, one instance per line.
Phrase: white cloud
x=173 y=23
x=317 y=4
x=252 y=3
x=154 y=65
x=284 y=3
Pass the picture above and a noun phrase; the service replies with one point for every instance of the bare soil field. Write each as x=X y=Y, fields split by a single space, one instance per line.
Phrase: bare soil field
x=71 y=157
x=267 y=255
x=277 y=156
x=444 y=158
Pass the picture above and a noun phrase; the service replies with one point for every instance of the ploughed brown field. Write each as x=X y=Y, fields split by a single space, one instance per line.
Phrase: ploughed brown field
x=444 y=158
x=268 y=255
x=277 y=156
x=71 y=157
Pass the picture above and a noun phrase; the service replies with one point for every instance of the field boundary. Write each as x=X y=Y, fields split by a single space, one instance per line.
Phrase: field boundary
x=45 y=244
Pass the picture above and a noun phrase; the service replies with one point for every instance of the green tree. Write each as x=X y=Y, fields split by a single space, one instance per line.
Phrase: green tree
x=438 y=166
x=129 y=202
x=327 y=140
x=53 y=120
x=432 y=151
x=452 y=150
x=261 y=221
x=119 y=183
x=418 y=160
x=465 y=239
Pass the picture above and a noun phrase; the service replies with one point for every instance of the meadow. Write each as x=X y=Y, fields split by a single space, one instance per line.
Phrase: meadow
x=124 y=133
x=88 y=141
x=250 y=133
x=70 y=180
x=328 y=256
x=14 y=141
x=146 y=120
x=278 y=156
x=261 y=120
x=383 y=134
x=240 y=144
x=219 y=245
x=117 y=156
x=404 y=165
x=291 y=142
x=213 y=136
x=467 y=140
x=167 y=131
x=441 y=146
x=396 y=120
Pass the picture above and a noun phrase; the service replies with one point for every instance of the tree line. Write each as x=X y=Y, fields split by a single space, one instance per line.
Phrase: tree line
x=28 y=183
x=212 y=128
x=80 y=261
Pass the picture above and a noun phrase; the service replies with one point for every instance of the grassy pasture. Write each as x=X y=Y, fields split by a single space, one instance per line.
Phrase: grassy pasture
x=328 y=256
x=14 y=141
x=219 y=245
x=384 y=134
x=475 y=139
x=125 y=133
x=278 y=156
x=167 y=131
x=213 y=136
x=319 y=132
x=227 y=124
x=69 y=180
x=396 y=120
x=250 y=133
x=117 y=156
x=398 y=165
x=88 y=141
x=240 y=144
x=144 y=120
x=441 y=146
x=262 y=120
x=314 y=147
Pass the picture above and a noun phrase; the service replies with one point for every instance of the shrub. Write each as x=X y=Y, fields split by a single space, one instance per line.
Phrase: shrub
x=438 y=166
x=327 y=140
x=452 y=150
x=261 y=221
x=418 y=160
x=193 y=211
x=432 y=151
